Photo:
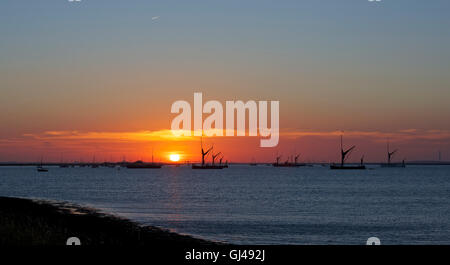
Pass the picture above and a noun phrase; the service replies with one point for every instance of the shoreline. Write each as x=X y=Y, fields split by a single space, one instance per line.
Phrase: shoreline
x=31 y=222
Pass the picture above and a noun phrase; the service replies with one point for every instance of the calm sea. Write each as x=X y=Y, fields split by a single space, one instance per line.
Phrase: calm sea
x=259 y=205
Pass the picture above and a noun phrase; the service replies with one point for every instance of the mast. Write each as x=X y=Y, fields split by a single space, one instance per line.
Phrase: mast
x=342 y=153
x=278 y=159
x=214 y=157
x=345 y=153
x=389 y=153
x=203 y=151
x=296 y=159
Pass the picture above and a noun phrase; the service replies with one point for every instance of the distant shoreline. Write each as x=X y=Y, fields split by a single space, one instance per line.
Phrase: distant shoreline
x=408 y=163
x=27 y=222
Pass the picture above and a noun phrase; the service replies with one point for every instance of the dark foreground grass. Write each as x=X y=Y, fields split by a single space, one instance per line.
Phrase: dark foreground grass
x=29 y=222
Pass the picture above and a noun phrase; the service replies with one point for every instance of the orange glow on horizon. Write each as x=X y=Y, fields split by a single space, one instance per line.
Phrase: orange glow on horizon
x=160 y=145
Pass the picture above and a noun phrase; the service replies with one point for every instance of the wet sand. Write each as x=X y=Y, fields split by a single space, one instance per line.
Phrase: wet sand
x=35 y=222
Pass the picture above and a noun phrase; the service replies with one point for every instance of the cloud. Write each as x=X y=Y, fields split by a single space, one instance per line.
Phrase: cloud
x=161 y=135
x=167 y=135
x=155 y=17
x=414 y=142
x=401 y=135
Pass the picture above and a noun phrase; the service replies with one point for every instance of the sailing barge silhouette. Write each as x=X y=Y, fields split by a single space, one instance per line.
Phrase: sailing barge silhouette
x=213 y=156
x=344 y=156
x=287 y=163
x=389 y=158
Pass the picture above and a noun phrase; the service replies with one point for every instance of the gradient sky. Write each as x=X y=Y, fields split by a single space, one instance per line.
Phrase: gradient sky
x=99 y=77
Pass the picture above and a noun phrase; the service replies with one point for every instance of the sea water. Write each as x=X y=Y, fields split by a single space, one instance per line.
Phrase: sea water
x=259 y=204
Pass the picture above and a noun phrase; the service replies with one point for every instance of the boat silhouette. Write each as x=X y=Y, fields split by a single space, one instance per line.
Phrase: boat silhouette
x=94 y=165
x=293 y=163
x=41 y=168
x=390 y=155
x=204 y=155
x=344 y=156
x=223 y=165
x=140 y=164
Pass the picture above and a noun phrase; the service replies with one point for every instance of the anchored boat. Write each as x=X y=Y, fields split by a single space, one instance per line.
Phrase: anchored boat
x=209 y=166
x=141 y=164
x=390 y=155
x=41 y=168
x=344 y=156
x=293 y=163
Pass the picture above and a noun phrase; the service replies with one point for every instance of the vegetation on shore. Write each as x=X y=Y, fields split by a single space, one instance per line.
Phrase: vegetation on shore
x=29 y=222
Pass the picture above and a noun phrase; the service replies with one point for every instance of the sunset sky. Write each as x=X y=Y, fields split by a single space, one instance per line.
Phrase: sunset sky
x=98 y=78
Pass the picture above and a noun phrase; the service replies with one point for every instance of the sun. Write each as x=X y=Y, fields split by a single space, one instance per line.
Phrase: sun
x=174 y=157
